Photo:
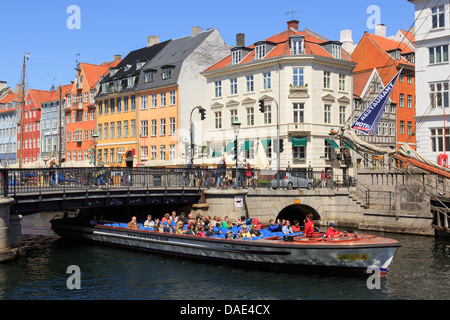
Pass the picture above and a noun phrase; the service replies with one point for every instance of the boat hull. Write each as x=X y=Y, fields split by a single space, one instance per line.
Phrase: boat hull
x=356 y=257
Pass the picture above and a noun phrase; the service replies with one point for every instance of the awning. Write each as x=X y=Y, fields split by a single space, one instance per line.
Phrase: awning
x=229 y=146
x=299 y=142
x=216 y=153
x=265 y=143
x=333 y=144
x=247 y=145
x=348 y=145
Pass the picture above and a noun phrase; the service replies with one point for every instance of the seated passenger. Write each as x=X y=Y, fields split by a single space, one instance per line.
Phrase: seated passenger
x=210 y=231
x=149 y=222
x=133 y=225
x=258 y=224
x=190 y=229
x=227 y=223
x=254 y=232
x=166 y=218
x=230 y=235
x=274 y=227
x=332 y=232
x=287 y=228
x=309 y=225
x=157 y=226
x=296 y=226
x=245 y=232
x=201 y=232
x=179 y=229
x=168 y=228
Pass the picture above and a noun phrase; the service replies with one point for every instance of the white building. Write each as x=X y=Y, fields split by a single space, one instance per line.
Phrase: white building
x=432 y=77
x=308 y=76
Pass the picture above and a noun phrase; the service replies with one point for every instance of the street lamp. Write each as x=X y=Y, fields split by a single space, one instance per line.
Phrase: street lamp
x=236 y=126
x=95 y=137
x=202 y=112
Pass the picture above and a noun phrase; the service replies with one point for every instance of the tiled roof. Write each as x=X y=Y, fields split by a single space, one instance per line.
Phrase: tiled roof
x=313 y=46
x=386 y=45
x=360 y=81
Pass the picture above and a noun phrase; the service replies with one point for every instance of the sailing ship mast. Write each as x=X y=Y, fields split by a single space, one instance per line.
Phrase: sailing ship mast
x=60 y=129
x=25 y=58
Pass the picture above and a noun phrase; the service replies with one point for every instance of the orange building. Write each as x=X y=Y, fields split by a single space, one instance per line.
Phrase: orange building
x=80 y=109
x=388 y=56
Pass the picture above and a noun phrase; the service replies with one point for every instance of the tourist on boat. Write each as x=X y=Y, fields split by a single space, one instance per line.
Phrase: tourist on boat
x=133 y=225
x=287 y=228
x=179 y=229
x=190 y=229
x=273 y=227
x=157 y=226
x=201 y=232
x=309 y=225
x=149 y=222
x=174 y=217
x=230 y=235
x=210 y=231
x=168 y=228
x=227 y=223
x=254 y=232
x=93 y=221
x=166 y=218
x=240 y=221
x=257 y=223
x=245 y=232
x=296 y=226
x=332 y=232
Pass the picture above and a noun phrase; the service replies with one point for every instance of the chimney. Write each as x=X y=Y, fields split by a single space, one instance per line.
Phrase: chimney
x=293 y=24
x=240 y=40
x=3 y=85
x=347 y=41
x=117 y=57
x=18 y=88
x=196 y=30
x=380 y=30
x=152 y=40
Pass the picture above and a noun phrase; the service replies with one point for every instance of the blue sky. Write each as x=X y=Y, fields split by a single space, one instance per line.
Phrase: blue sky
x=118 y=27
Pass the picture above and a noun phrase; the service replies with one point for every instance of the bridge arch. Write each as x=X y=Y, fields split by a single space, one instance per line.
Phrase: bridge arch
x=297 y=212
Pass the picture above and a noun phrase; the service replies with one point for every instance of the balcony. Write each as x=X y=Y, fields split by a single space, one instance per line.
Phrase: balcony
x=303 y=129
x=298 y=91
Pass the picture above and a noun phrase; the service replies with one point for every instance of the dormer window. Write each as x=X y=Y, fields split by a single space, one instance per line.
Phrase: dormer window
x=139 y=64
x=130 y=82
x=336 y=51
x=149 y=76
x=260 y=51
x=236 y=56
x=297 y=45
x=167 y=72
x=395 y=54
x=112 y=72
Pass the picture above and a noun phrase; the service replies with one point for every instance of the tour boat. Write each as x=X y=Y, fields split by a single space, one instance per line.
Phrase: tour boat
x=354 y=252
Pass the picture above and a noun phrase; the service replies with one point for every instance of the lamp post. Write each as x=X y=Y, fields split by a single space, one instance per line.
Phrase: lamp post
x=203 y=117
x=236 y=127
x=95 y=137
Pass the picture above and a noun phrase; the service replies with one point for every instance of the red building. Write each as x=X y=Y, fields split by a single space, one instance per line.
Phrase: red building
x=388 y=56
x=80 y=109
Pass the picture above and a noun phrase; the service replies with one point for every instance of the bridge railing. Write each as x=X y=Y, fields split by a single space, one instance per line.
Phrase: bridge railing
x=13 y=181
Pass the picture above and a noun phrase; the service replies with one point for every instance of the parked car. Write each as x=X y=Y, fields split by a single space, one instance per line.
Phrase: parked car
x=292 y=180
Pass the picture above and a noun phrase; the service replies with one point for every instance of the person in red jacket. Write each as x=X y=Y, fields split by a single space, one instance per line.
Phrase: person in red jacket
x=332 y=232
x=309 y=225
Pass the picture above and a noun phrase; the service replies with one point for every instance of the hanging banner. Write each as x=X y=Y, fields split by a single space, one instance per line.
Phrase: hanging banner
x=368 y=121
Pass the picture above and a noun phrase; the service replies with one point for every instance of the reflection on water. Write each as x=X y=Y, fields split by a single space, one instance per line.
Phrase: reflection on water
x=420 y=270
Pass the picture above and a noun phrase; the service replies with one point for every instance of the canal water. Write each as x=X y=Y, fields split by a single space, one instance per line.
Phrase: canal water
x=420 y=270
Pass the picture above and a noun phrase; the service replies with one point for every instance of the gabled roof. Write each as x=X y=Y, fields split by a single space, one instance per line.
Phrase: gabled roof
x=362 y=81
x=54 y=95
x=386 y=45
x=281 y=47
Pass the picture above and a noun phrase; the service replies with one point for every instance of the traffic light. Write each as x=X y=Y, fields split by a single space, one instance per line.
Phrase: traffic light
x=281 y=144
x=261 y=105
x=235 y=148
x=203 y=113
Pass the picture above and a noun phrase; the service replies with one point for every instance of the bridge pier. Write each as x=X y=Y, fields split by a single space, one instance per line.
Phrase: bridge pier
x=10 y=231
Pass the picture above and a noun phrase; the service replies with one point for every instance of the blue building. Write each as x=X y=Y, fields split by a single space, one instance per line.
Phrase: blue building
x=9 y=116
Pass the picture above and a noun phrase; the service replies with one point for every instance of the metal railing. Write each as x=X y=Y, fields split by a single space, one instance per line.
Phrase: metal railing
x=14 y=181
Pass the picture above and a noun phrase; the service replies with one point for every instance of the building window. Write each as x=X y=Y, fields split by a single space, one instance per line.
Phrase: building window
x=218 y=89
x=172 y=97
x=298 y=77
x=260 y=51
x=125 y=128
x=100 y=131
x=267 y=80
x=438 y=54
x=86 y=135
x=409 y=75
x=233 y=116
x=112 y=155
x=166 y=73
x=162 y=127
x=153 y=128
x=144 y=102
x=133 y=128
x=144 y=128
x=409 y=102
x=236 y=56
x=299 y=152
x=267 y=114
x=439 y=95
x=297 y=46
x=148 y=76
x=129 y=82
x=410 y=128
x=402 y=127
x=342 y=115
x=401 y=101
x=233 y=86
x=326 y=79
x=437 y=17
x=119 y=104
x=342 y=82
x=125 y=104
x=153 y=152
x=327 y=150
x=172 y=152
x=437 y=139
x=327 y=113
x=299 y=112
x=163 y=99
x=144 y=153
x=171 y=126
x=162 y=152
x=133 y=103
x=250 y=84
x=218 y=119
x=112 y=127
x=250 y=117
